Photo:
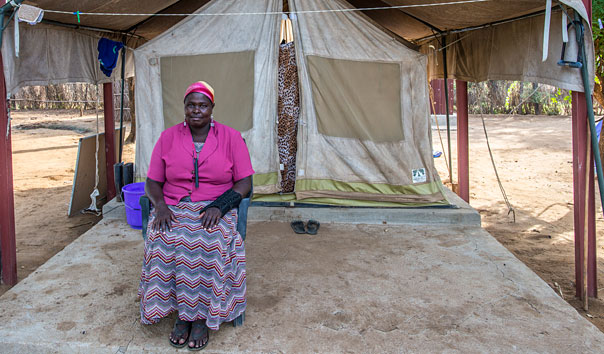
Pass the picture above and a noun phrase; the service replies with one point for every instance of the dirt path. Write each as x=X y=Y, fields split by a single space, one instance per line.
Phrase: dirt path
x=45 y=145
x=533 y=156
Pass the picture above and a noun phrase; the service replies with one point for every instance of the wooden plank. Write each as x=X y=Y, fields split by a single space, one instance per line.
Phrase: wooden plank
x=109 y=132
x=8 y=246
x=85 y=174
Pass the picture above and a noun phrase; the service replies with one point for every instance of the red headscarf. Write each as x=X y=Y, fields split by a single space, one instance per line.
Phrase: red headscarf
x=201 y=87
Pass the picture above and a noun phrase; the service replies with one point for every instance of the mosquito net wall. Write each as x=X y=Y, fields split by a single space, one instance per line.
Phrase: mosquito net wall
x=238 y=56
x=364 y=137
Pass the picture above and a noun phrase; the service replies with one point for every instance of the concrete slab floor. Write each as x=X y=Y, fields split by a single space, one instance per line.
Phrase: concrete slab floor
x=351 y=288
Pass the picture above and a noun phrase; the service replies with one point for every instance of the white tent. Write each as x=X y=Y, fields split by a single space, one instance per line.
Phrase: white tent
x=361 y=155
x=350 y=151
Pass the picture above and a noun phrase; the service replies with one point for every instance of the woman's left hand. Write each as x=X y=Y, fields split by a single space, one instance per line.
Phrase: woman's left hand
x=210 y=218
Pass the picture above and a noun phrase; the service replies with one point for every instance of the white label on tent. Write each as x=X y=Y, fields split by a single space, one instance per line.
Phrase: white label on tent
x=281 y=167
x=300 y=172
x=419 y=175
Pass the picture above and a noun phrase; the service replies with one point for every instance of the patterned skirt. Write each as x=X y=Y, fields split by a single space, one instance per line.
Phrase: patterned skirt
x=199 y=273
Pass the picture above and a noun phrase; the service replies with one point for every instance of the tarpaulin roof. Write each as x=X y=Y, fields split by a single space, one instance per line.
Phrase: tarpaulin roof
x=146 y=26
x=505 y=38
x=411 y=23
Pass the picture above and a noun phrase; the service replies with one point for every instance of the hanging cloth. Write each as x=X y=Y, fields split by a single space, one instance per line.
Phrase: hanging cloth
x=288 y=109
x=548 y=19
x=108 y=54
x=30 y=14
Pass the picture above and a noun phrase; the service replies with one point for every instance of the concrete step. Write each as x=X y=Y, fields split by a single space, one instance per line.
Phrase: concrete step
x=459 y=213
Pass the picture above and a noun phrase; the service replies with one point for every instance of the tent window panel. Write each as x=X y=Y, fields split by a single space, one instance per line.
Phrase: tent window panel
x=230 y=74
x=357 y=99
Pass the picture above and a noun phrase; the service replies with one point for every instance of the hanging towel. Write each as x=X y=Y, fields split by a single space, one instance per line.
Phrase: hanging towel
x=108 y=53
x=30 y=14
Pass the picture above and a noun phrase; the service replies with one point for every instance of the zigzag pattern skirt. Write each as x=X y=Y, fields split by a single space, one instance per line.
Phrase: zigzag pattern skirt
x=199 y=273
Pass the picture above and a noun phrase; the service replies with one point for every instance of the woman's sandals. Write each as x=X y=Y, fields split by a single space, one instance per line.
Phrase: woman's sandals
x=180 y=333
x=311 y=228
x=199 y=335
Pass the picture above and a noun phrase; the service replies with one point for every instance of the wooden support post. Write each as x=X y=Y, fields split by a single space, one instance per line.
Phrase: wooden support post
x=109 y=138
x=8 y=246
x=463 y=158
x=592 y=277
x=580 y=146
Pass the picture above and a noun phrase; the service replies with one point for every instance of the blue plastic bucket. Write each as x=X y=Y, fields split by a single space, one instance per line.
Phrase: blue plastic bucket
x=132 y=193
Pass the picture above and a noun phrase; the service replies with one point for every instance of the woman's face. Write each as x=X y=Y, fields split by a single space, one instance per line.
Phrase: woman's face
x=198 y=110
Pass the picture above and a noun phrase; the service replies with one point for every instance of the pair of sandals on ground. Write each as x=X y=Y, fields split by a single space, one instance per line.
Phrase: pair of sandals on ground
x=311 y=228
x=195 y=335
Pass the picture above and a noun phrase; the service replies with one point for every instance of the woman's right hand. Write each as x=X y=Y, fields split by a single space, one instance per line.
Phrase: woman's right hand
x=163 y=219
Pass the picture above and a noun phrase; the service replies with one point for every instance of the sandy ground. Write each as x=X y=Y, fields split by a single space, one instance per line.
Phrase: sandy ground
x=534 y=161
x=45 y=146
x=533 y=156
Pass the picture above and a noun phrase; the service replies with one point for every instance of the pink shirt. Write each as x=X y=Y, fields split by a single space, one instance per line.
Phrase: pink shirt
x=223 y=160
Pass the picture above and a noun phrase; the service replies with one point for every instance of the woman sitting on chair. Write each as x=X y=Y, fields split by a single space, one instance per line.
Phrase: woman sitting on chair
x=194 y=257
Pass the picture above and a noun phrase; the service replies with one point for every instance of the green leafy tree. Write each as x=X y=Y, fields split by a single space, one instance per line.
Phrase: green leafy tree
x=598 y=14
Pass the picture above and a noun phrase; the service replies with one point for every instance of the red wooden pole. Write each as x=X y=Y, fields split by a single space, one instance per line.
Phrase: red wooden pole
x=109 y=138
x=8 y=246
x=463 y=157
x=592 y=278
x=580 y=146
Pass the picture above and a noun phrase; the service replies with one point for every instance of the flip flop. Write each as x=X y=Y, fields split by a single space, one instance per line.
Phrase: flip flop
x=198 y=325
x=181 y=328
x=298 y=226
x=312 y=227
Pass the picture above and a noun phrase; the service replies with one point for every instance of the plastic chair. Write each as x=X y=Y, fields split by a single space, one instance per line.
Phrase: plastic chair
x=241 y=227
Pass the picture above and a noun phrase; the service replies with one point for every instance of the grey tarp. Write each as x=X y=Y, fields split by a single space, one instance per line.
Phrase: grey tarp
x=346 y=67
x=512 y=51
x=501 y=51
x=53 y=55
x=460 y=15
x=204 y=37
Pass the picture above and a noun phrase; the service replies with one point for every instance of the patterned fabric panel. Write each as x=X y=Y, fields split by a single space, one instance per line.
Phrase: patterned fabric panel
x=289 y=110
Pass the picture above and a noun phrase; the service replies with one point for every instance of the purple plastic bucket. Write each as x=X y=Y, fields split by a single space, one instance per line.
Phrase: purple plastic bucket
x=134 y=218
x=132 y=194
